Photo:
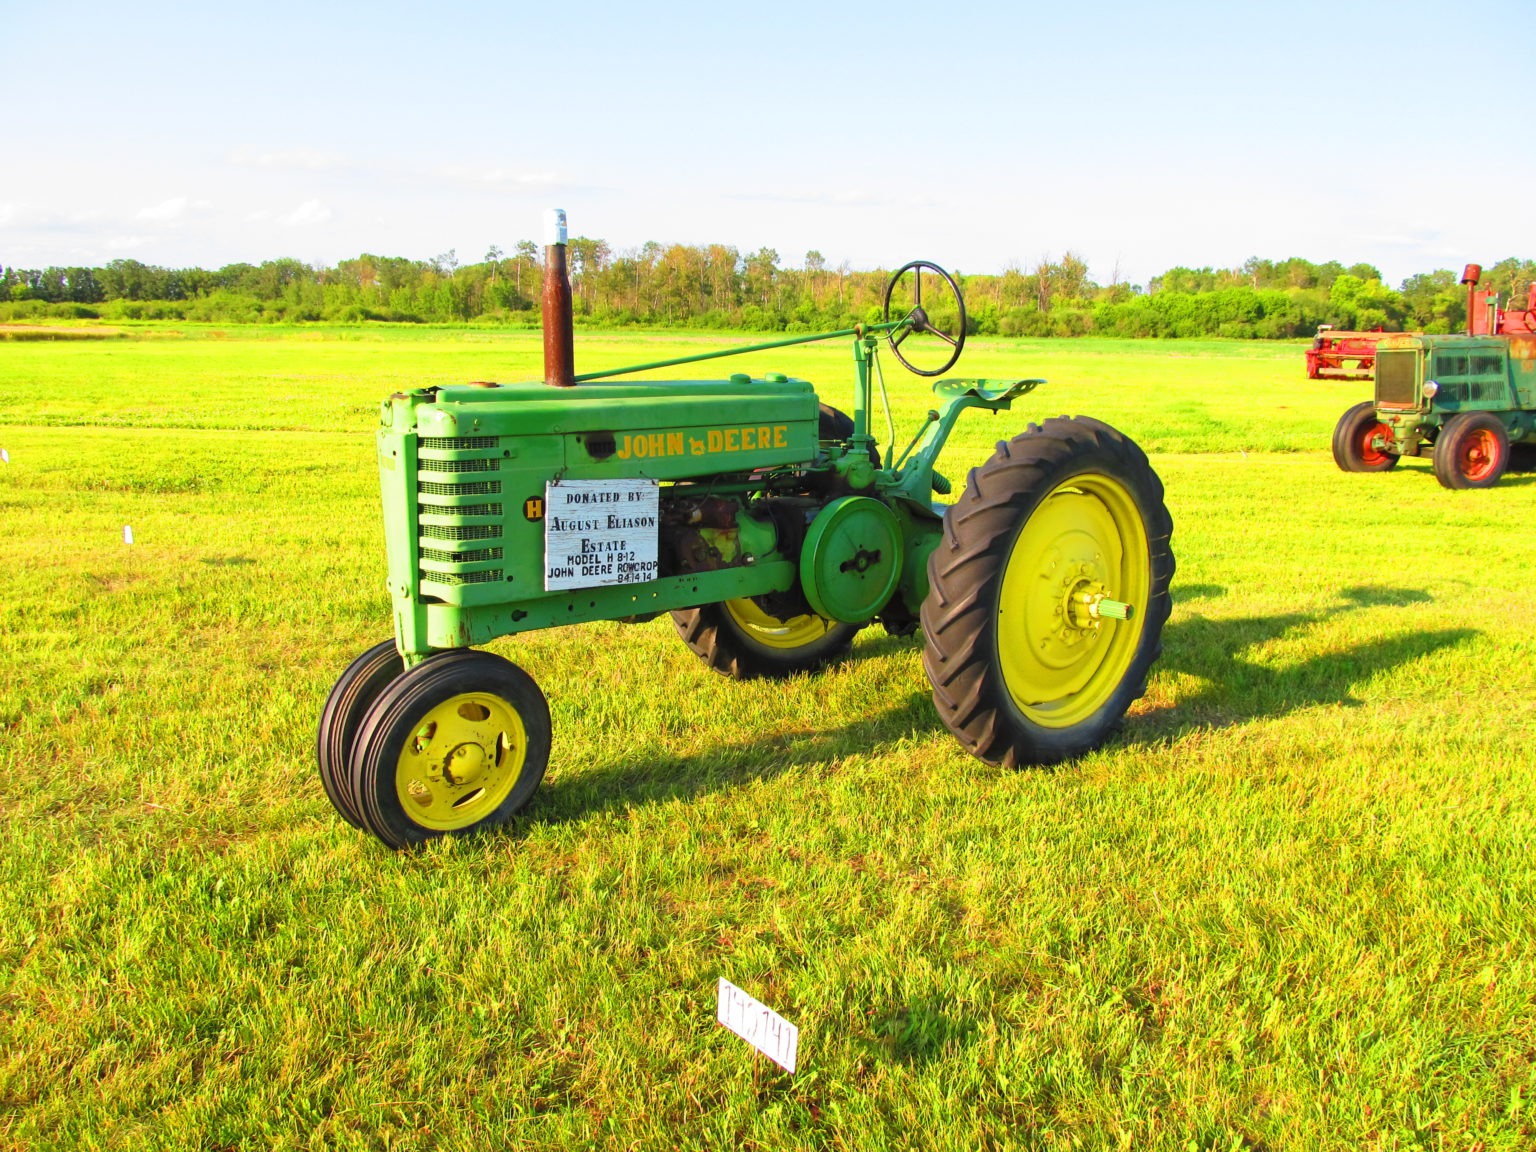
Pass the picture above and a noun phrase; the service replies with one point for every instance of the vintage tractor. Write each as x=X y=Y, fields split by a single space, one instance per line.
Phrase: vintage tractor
x=1339 y=355
x=1466 y=398
x=771 y=526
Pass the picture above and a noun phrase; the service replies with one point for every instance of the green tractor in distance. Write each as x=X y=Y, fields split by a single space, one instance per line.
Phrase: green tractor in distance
x=1465 y=398
x=771 y=526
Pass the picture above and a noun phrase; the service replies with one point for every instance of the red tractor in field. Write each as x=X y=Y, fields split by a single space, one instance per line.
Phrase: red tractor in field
x=1339 y=355
x=1486 y=318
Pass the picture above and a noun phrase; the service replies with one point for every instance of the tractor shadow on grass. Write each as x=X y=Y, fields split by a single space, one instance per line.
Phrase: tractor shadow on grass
x=656 y=777
x=1225 y=656
x=1239 y=685
x=921 y=1031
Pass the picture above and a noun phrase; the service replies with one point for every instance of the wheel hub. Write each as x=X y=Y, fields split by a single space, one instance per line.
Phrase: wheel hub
x=461 y=762
x=1074 y=591
x=1082 y=605
x=1082 y=546
x=1478 y=455
x=465 y=765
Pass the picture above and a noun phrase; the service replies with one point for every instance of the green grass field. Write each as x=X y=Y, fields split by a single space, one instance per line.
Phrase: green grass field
x=1291 y=906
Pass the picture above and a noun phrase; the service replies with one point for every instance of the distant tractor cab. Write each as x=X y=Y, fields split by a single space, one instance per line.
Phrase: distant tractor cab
x=1465 y=398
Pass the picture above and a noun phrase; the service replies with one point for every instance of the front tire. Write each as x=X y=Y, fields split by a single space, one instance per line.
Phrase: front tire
x=457 y=743
x=350 y=698
x=1355 y=439
x=1063 y=523
x=1472 y=451
x=738 y=638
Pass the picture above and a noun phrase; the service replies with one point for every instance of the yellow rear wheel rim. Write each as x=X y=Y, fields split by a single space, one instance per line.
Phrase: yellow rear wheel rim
x=1084 y=541
x=461 y=762
x=770 y=631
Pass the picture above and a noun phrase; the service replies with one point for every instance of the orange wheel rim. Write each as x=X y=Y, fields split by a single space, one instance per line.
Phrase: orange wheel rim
x=1479 y=455
x=1369 y=453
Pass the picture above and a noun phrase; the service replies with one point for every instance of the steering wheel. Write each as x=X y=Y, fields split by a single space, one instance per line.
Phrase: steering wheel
x=921 y=323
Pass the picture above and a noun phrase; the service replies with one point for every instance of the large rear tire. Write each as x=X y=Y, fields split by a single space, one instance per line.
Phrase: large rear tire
x=738 y=638
x=1063 y=529
x=1472 y=451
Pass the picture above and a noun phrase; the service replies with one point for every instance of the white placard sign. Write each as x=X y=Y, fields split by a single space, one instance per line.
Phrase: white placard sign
x=599 y=532
x=759 y=1025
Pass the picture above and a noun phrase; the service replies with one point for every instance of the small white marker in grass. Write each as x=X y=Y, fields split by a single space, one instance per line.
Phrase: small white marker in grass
x=759 y=1025
x=5 y=456
x=127 y=534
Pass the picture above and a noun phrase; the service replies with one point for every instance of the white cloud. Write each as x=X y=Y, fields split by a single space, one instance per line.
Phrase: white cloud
x=307 y=159
x=165 y=210
x=472 y=174
x=122 y=243
x=844 y=198
x=309 y=212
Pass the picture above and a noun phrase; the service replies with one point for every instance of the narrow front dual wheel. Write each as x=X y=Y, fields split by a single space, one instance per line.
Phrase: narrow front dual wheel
x=1048 y=594
x=456 y=743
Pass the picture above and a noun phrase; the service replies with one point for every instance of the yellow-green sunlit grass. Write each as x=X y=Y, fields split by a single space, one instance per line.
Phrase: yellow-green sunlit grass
x=1288 y=906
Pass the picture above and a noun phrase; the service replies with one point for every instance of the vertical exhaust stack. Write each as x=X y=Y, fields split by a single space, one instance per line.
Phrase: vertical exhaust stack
x=1470 y=275
x=559 y=351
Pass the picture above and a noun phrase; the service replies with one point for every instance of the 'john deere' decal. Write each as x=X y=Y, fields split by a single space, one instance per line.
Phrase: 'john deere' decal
x=640 y=445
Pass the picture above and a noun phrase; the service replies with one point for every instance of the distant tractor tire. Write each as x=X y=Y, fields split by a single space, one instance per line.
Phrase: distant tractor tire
x=457 y=743
x=350 y=698
x=1472 y=451
x=1058 y=535
x=738 y=638
x=1356 y=438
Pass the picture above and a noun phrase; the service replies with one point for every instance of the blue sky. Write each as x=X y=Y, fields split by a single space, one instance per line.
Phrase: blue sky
x=976 y=135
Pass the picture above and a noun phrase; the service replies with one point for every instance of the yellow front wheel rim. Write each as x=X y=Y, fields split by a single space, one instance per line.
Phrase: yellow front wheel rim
x=461 y=761
x=1084 y=542
x=770 y=631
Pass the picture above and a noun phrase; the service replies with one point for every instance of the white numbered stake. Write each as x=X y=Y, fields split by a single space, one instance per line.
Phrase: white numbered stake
x=759 y=1025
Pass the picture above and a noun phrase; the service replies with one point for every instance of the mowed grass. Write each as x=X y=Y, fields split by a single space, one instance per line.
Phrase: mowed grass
x=1289 y=906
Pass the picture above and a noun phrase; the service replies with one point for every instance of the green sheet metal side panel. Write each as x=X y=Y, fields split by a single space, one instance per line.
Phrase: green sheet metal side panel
x=1472 y=372
x=453 y=626
x=463 y=473
x=1522 y=369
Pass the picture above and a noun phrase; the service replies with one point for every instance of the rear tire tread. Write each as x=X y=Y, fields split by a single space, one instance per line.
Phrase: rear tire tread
x=965 y=573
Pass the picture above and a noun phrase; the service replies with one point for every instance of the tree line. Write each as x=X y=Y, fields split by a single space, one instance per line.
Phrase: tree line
x=718 y=286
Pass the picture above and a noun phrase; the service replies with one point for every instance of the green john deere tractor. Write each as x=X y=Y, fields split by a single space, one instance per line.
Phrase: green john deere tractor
x=771 y=526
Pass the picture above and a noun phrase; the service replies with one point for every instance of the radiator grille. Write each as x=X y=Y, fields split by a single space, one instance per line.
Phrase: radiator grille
x=1397 y=378
x=459 y=443
x=460 y=531
x=459 y=465
x=458 y=510
x=476 y=488
x=440 y=465
x=456 y=578
x=474 y=556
